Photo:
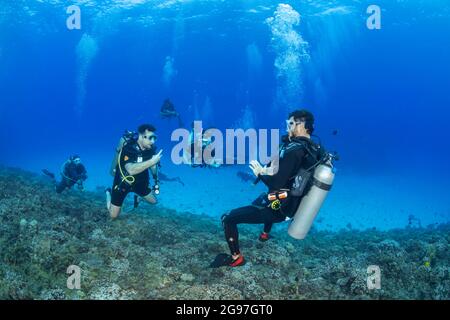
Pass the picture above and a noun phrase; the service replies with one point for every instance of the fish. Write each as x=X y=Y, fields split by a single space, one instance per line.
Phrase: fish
x=163 y=177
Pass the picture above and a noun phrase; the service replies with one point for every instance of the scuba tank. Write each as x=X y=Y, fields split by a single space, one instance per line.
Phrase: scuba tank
x=310 y=204
x=127 y=137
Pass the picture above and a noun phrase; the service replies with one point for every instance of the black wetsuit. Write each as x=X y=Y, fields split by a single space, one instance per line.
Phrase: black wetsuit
x=293 y=157
x=131 y=153
x=167 y=107
x=72 y=173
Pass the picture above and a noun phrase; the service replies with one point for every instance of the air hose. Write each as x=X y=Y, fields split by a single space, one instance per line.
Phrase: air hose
x=128 y=179
x=63 y=175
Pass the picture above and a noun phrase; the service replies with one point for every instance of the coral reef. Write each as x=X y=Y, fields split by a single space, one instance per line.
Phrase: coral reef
x=156 y=253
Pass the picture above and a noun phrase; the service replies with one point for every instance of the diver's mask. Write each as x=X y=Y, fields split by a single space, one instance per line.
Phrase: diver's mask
x=76 y=160
x=290 y=125
x=151 y=137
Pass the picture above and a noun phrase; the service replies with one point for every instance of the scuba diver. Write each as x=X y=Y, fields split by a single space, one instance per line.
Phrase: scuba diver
x=135 y=155
x=72 y=172
x=297 y=152
x=205 y=138
x=168 y=111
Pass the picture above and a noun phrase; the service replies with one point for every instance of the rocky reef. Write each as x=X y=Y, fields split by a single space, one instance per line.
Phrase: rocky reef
x=157 y=253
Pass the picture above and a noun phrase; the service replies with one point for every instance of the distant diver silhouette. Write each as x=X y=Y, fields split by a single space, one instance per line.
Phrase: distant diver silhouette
x=168 y=111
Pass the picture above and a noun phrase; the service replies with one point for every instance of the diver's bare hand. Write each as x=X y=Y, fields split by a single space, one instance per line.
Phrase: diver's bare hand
x=257 y=168
x=156 y=158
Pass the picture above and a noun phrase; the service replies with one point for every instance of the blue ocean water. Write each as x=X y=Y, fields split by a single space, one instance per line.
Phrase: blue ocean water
x=238 y=64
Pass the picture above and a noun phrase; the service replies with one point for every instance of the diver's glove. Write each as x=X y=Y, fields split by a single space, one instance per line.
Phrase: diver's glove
x=257 y=169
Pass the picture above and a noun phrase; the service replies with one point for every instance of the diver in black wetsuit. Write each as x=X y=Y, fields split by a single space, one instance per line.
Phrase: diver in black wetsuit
x=297 y=151
x=168 y=111
x=73 y=172
x=135 y=156
x=203 y=139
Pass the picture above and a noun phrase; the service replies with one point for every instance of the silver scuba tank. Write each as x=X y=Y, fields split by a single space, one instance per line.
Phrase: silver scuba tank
x=312 y=201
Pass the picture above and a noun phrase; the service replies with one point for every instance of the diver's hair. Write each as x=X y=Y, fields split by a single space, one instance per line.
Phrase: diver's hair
x=146 y=127
x=306 y=116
